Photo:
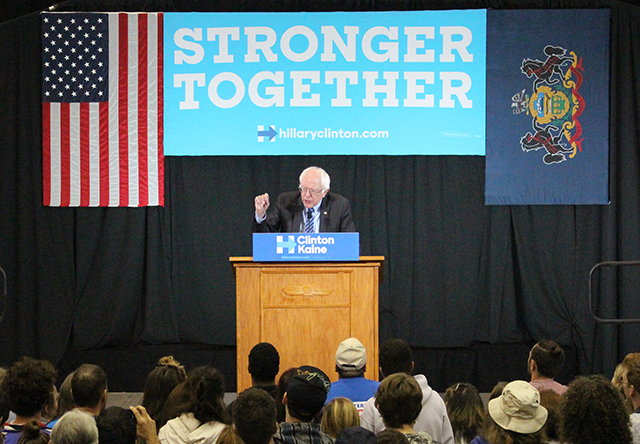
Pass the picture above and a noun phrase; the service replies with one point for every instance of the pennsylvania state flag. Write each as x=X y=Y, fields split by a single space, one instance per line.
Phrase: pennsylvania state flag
x=547 y=107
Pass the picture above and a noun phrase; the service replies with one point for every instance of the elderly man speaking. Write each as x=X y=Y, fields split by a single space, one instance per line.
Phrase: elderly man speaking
x=312 y=209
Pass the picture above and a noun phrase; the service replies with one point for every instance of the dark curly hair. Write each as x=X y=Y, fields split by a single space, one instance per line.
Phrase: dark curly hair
x=28 y=384
x=399 y=400
x=593 y=411
x=264 y=363
x=254 y=416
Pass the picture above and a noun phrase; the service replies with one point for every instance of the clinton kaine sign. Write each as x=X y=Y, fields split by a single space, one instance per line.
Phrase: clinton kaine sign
x=325 y=83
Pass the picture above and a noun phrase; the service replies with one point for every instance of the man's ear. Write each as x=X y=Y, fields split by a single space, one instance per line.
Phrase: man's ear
x=381 y=373
x=413 y=366
x=284 y=398
x=103 y=400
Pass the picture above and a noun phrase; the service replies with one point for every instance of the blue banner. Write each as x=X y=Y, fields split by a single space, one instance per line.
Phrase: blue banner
x=374 y=83
x=306 y=247
x=547 y=107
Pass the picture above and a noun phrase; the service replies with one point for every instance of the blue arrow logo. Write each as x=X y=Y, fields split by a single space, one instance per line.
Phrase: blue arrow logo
x=270 y=133
x=281 y=244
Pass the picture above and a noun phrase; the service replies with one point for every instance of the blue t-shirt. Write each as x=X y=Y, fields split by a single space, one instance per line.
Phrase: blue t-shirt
x=12 y=432
x=359 y=390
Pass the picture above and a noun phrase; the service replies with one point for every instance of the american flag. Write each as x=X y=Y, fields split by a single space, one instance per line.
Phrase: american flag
x=102 y=109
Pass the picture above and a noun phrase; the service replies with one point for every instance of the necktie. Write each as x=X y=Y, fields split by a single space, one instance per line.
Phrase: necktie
x=308 y=226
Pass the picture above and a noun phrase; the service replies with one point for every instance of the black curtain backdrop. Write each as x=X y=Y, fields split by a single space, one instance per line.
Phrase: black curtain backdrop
x=471 y=287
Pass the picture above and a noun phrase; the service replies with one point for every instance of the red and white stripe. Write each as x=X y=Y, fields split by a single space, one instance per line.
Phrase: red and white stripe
x=110 y=153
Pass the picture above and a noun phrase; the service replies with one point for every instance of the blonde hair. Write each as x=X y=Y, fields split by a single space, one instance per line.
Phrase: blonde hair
x=618 y=373
x=339 y=414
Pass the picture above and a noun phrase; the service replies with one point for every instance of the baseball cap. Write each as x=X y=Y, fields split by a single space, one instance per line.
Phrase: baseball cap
x=351 y=355
x=308 y=390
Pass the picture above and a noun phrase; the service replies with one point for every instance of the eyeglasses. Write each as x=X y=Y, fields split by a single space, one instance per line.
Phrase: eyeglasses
x=303 y=190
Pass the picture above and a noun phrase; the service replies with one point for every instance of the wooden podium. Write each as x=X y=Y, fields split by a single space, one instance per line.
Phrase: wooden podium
x=305 y=309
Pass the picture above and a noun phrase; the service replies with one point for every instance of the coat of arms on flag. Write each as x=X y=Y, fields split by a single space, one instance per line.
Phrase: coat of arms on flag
x=547 y=107
x=555 y=105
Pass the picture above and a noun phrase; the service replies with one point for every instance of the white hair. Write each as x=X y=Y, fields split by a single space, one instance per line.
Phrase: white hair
x=75 y=427
x=324 y=176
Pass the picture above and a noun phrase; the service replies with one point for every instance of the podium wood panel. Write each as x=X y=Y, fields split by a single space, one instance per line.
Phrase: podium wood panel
x=305 y=310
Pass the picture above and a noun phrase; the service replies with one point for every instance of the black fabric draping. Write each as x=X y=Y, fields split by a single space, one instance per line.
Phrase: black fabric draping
x=471 y=287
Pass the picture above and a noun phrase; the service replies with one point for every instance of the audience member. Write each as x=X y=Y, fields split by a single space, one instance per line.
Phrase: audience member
x=592 y=412
x=616 y=380
x=550 y=400
x=229 y=436
x=390 y=436
x=630 y=383
x=32 y=434
x=65 y=400
x=495 y=393
x=351 y=365
x=89 y=389
x=51 y=406
x=283 y=385
x=28 y=385
x=75 y=427
x=116 y=426
x=145 y=425
x=546 y=359
x=204 y=417
x=181 y=397
x=465 y=410
x=399 y=401
x=254 y=416
x=4 y=399
x=264 y=365
x=515 y=417
x=167 y=375
x=303 y=400
x=356 y=435
x=396 y=356
x=497 y=389
x=339 y=414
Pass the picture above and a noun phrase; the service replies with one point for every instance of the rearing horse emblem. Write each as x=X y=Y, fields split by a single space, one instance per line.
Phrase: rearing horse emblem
x=554 y=104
